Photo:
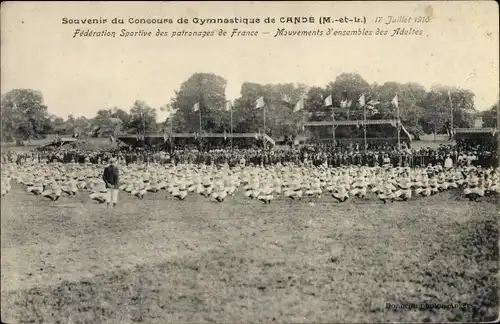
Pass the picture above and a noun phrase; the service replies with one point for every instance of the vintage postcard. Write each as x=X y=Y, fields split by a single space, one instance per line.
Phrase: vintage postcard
x=250 y=162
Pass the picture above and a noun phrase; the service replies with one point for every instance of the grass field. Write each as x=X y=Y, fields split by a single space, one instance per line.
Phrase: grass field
x=160 y=260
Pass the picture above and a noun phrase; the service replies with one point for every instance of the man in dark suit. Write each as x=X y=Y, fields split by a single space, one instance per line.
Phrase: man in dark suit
x=111 y=177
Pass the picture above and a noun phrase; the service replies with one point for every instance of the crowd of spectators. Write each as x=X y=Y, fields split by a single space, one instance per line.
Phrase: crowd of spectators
x=319 y=154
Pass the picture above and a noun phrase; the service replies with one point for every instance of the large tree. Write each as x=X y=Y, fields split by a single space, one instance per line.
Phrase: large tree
x=24 y=115
x=490 y=116
x=438 y=105
x=281 y=118
x=348 y=86
x=142 y=118
x=166 y=125
x=81 y=124
x=207 y=90
x=246 y=117
x=279 y=100
x=58 y=124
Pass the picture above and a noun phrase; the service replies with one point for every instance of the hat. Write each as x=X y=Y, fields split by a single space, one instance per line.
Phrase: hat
x=112 y=160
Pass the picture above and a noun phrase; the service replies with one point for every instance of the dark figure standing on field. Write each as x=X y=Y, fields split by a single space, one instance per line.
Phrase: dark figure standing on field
x=111 y=177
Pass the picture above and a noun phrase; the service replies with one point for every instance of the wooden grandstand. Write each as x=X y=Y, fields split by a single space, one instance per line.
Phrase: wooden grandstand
x=175 y=139
x=396 y=123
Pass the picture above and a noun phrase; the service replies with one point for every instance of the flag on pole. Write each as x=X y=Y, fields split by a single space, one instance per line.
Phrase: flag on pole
x=196 y=107
x=225 y=135
x=299 y=105
x=259 y=103
x=395 y=101
x=229 y=105
x=328 y=101
x=285 y=98
x=449 y=95
x=362 y=100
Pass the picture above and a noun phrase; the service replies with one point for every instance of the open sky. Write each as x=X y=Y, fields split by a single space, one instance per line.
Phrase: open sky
x=459 y=47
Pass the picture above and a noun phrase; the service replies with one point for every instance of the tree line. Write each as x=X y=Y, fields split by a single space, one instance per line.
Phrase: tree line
x=25 y=115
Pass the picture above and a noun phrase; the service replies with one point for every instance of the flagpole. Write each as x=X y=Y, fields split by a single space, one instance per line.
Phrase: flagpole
x=170 y=139
x=451 y=115
x=199 y=110
x=143 y=125
x=264 y=131
x=231 y=132
x=364 y=124
x=398 y=125
x=264 y=142
x=333 y=127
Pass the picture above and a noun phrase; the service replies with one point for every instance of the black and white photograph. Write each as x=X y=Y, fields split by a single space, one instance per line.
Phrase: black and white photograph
x=250 y=162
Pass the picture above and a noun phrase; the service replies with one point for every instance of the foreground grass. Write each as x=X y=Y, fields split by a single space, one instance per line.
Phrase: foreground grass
x=160 y=260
